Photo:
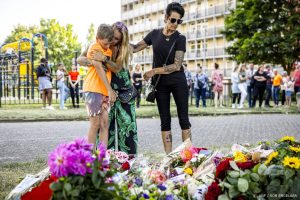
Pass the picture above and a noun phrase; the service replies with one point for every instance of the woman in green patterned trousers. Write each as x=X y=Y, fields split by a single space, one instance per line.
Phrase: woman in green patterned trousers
x=122 y=118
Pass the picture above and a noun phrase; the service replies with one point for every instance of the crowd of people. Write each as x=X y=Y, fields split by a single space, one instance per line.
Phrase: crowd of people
x=261 y=84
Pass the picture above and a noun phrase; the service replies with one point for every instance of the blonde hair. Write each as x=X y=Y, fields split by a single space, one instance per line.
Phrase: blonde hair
x=124 y=55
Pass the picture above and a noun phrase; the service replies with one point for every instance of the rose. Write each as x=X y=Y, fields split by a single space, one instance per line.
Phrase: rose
x=222 y=168
x=213 y=192
x=126 y=166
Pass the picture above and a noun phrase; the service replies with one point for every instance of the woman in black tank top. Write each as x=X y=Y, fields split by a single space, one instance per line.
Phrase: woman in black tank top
x=137 y=78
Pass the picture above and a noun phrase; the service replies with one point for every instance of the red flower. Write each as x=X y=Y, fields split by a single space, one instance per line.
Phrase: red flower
x=241 y=198
x=246 y=165
x=213 y=192
x=199 y=149
x=126 y=166
x=222 y=168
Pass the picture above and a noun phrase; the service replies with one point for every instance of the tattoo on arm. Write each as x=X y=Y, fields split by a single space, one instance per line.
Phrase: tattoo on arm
x=179 y=55
x=114 y=67
x=139 y=46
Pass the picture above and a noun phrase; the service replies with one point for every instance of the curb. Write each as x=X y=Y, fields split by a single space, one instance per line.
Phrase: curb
x=144 y=117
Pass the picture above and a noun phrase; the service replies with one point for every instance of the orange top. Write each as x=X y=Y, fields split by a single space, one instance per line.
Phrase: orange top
x=92 y=82
x=277 y=80
x=74 y=75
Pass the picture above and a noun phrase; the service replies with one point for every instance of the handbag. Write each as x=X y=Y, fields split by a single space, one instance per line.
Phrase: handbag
x=151 y=89
x=125 y=95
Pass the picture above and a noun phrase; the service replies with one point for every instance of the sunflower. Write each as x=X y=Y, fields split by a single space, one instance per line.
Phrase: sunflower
x=295 y=149
x=270 y=157
x=287 y=138
x=292 y=162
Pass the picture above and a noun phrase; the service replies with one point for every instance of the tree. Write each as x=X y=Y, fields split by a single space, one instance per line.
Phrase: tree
x=21 y=31
x=91 y=34
x=264 y=31
x=62 y=43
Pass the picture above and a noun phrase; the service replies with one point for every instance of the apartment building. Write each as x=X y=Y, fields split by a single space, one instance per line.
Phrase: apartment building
x=203 y=21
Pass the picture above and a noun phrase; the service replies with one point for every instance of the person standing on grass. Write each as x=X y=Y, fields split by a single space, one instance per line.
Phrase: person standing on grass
x=296 y=80
x=260 y=82
x=217 y=81
x=172 y=78
x=74 y=78
x=236 y=93
x=43 y=74
x=137 y=77
x=200 y=86
x=269 y=83
x=242 y=84
x=63 y=89
x=277 y=81
x=250 y=88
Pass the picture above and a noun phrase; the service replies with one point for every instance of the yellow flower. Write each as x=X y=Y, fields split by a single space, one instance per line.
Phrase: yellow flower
x=270 y=157
x=287 y=138
x=239 y=157
x=188 y=171
x=292 y=162
x=296 y=149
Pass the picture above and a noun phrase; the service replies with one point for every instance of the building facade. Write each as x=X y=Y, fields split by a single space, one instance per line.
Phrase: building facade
x=203 y=21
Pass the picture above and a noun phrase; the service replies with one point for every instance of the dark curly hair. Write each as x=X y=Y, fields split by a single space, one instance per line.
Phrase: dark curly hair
x=176 y=7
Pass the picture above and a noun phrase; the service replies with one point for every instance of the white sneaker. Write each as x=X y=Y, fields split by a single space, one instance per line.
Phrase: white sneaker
x=50 y=108
x=44 y=108
x=240 y=107
x=233 y=106
x=64 y=108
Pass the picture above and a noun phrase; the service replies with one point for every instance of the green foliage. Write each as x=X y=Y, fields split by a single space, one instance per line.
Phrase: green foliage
x=61 y=40
x=91 y=35
x=264 y=32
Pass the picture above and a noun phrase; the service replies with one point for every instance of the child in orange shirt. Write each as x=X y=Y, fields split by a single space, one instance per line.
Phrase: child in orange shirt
x=98 y=92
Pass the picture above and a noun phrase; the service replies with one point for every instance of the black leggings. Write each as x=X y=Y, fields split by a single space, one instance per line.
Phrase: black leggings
x=236 y=96
x=259 y=92
x=179 y=90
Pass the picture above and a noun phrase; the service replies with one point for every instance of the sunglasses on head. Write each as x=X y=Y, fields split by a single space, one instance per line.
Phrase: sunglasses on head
x=173 y=20
x=121 y=26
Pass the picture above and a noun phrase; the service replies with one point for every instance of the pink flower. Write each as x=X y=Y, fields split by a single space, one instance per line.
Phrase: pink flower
x=157 y=177
x=61 y=161
x=188 y=153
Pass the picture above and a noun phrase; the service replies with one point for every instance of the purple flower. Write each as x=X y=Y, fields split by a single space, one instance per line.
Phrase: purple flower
x=162 y=187
x=138 y=181
x=61 y=161
x=169 y=197
x=146 y=196
x=82 y=162
x=102 y=151
x=80 y=143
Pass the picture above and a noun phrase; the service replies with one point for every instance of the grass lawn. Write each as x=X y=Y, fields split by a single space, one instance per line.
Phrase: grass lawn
x=13 y=173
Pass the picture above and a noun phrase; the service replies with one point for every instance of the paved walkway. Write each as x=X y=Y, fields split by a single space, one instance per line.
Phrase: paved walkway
x=29 y=140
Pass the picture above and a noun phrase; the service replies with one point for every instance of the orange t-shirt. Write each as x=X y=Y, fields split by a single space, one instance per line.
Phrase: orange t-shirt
x=277 y=80
x=92 y=82
x=74 y=75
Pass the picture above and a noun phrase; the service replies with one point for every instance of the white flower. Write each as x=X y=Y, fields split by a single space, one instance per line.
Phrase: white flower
x=194 y=159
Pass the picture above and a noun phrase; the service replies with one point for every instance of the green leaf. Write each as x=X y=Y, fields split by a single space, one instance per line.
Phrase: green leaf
x=233 y=165
x=234 y=174
x=227 y=185
x=56 y=186
x=289 y=173
x=254 y=177
x=67 y=187
x=243 y=185
x=223 y=197
x=75 y=193
x=232 y=181
x=233 y=192
x=261 y=169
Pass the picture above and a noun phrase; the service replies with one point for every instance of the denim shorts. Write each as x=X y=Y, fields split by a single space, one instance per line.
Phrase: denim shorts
x=96 y=103
x=288 y=93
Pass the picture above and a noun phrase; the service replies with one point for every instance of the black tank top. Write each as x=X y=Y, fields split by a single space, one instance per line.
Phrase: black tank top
x=136 y=75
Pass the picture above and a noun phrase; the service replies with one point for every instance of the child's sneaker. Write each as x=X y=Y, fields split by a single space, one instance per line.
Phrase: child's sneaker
x=50 y=108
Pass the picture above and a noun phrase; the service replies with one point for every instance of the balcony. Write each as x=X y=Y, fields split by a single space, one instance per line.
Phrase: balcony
x=205 y=33
x=217 y=52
